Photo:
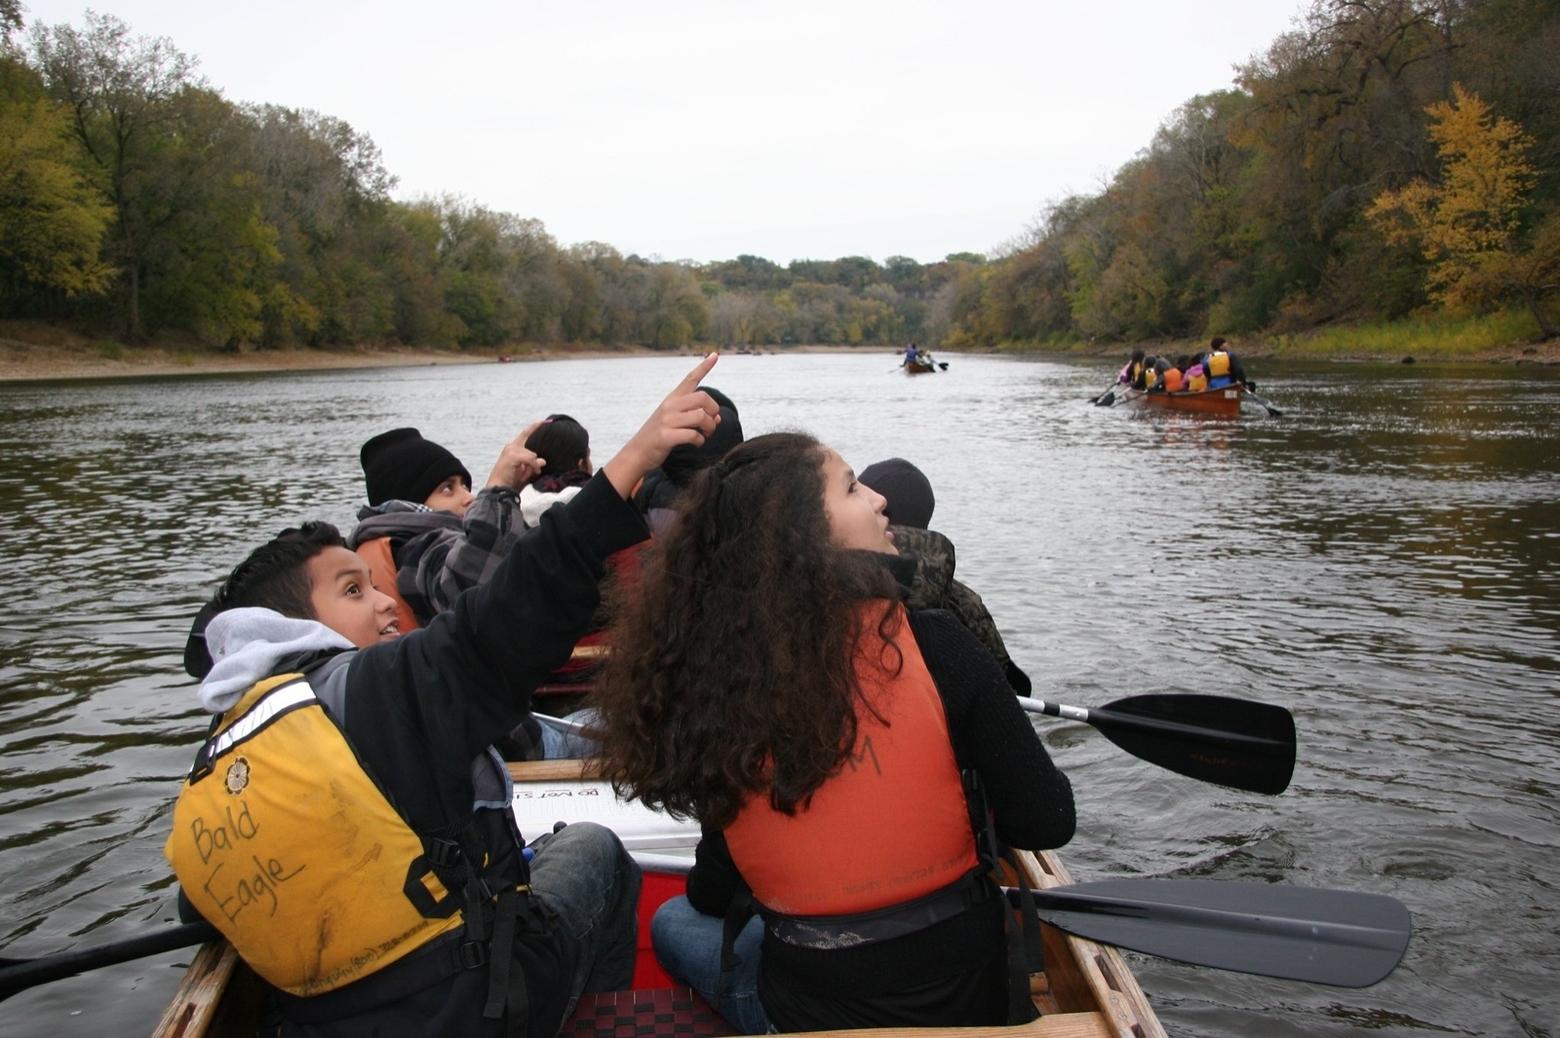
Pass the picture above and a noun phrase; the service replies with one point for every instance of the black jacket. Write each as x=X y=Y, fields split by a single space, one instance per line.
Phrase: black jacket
x=418 y=710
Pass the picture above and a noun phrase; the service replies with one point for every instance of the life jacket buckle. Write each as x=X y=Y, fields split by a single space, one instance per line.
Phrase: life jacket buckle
x=472 y=954
x=444 y=854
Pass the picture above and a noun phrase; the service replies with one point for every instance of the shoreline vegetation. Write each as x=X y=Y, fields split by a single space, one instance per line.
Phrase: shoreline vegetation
x=32 y=351
x=1382 y=181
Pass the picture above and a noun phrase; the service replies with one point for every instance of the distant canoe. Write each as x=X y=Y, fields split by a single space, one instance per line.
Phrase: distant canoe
x=1224 y=401
x=925 y=367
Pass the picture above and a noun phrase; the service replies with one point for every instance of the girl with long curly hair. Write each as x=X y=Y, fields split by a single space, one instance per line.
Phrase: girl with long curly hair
x=766 y=680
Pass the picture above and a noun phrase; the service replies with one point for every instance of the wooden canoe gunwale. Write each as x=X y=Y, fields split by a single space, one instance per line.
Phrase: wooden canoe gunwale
x=1086 y=991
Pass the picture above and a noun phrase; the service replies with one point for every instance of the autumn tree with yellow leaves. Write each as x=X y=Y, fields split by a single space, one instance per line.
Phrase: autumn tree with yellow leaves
x=1469 y=225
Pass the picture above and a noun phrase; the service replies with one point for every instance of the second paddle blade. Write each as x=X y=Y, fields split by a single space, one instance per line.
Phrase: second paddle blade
x=1233 y=742
x=1337 y=937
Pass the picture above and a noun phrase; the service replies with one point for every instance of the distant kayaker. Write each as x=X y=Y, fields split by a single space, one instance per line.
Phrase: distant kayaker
x=344 y=825
x=909 y=502
x=768 y=681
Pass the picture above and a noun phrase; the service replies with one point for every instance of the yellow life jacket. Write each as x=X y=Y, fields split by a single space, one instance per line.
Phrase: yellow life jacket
x=1150 y=378
x=1196 y=383
x=1217 y=364
x=891 y=826
x=285 y=844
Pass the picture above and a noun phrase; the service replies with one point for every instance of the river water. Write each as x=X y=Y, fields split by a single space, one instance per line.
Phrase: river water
x=1382 y=560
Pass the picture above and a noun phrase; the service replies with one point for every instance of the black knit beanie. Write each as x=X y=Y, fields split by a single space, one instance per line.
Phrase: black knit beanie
x=686 y=461
x=402 y=466
x=909 y=492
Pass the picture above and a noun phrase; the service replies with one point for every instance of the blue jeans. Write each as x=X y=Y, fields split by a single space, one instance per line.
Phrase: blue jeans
x=688 y=944
x=588 y=881
x=558 y=744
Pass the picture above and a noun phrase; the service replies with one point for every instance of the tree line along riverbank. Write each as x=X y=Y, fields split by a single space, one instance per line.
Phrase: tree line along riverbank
x=31 y=351
x=1381 y=164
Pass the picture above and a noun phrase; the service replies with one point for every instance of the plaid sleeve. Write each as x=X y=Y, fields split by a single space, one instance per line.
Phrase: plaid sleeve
x=436 y=567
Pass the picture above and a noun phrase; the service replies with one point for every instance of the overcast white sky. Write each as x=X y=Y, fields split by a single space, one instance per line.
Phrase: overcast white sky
x=708 y=128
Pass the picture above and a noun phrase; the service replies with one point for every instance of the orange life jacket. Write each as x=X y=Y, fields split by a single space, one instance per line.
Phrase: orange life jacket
x=892 y=825
x=1174 y=380
x=382 y=570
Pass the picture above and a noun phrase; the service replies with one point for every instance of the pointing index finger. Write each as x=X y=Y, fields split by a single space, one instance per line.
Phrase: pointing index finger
x=691 y=381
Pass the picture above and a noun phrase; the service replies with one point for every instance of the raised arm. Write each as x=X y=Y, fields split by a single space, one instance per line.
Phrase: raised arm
x=467 y=677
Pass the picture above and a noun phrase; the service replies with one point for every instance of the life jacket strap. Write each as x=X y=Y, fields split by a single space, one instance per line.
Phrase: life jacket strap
x=440 y=960
x=986 y=849
x=1025 y=948
x=506 y=985
x=740 y=910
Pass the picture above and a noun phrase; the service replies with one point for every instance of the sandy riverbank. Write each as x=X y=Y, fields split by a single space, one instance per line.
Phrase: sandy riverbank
x=62 y=355
x=30 y=351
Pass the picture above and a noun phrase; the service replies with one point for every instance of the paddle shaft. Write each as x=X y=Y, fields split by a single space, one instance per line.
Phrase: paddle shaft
x=1275 y=412
x=1159 y=725
x=20 y=974
x=561 y=723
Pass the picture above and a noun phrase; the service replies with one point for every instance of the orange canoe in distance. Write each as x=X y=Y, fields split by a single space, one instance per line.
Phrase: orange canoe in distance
x=1224 y=401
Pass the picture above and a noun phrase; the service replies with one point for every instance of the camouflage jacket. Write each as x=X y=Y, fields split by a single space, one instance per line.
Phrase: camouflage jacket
x=934 y=587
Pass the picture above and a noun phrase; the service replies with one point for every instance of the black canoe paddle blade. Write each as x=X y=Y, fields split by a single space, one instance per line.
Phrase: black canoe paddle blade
x=1231 y=742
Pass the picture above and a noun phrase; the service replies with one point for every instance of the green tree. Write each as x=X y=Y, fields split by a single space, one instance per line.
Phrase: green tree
x=211 y=264
x=52 y=220
x=119 y=92
x=323 y=187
